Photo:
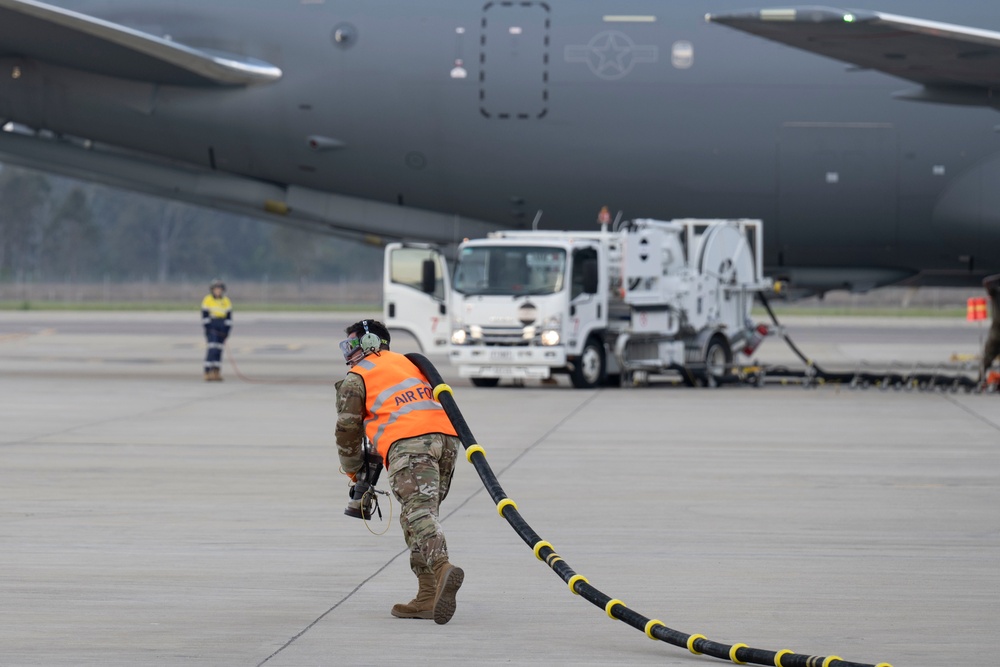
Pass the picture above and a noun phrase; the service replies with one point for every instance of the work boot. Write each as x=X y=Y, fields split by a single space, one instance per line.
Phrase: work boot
x=449 y=580
x=218 y=374
x=421 y=606
x=208 y=375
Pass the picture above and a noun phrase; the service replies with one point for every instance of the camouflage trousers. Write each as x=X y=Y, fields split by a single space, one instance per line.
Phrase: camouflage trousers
x=420 y=472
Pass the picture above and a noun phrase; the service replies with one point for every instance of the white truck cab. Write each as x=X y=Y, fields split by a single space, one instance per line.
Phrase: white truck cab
x=649 y=297
x=526 y=304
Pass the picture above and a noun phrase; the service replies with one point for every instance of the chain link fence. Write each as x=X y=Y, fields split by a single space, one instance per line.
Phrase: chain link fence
x=244 y=293
x=316 y=294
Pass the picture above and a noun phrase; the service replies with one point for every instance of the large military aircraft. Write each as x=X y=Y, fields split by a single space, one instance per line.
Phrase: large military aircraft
x=439 y=119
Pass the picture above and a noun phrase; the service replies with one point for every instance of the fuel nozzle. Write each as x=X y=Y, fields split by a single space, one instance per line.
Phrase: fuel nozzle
x=363 y=503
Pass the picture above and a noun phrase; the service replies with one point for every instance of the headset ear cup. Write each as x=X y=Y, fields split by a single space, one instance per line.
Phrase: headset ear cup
x=370 y=342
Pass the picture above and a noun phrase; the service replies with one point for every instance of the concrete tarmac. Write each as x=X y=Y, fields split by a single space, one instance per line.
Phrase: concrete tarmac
x=150 y=518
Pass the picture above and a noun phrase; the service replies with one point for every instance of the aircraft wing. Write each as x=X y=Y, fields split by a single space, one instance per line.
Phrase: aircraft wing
x=347 y=217
x=940 y=56
x=30 y=29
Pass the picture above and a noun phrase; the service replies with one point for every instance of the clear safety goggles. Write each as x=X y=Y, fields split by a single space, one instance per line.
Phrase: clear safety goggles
x=349 y=347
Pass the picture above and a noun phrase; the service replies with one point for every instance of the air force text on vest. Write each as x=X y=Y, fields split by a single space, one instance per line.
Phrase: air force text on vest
x=423 y=393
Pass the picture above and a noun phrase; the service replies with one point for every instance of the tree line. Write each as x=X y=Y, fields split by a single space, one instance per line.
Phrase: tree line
x=59 y=229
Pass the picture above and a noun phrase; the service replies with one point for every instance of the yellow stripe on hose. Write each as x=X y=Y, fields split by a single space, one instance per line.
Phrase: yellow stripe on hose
x=650 y=626
x=472 y=450
x=538 y=547
x=552 y=559
x=504 y=503
x=575 y=578
x=610 y=604
x=777 y=656
x=691 y=640
x=829 y=660
x=442 y=387
x=732 y=653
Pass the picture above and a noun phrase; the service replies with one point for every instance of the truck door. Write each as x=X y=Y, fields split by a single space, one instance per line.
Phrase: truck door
x=415 y=294
x=588 y=308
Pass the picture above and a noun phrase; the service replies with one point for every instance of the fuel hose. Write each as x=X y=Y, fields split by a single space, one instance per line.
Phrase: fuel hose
x=910 y=380
x=616 y=609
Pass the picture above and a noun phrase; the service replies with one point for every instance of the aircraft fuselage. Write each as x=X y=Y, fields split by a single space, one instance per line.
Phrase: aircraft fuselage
x=496 y=110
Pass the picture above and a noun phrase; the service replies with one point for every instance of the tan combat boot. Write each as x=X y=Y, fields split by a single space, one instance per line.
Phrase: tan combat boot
x=217 y=373
x=449 y=579
x=421 y=606
x=208 y=375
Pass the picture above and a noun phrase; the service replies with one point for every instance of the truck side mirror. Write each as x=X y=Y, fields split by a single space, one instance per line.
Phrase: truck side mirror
x=427 y=276
x=589 y=270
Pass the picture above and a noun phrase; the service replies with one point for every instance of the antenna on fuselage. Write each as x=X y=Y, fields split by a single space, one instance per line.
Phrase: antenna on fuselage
x=534 y=223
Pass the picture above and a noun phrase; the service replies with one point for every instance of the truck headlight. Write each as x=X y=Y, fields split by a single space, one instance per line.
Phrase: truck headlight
x=550 y=337
x=458 y=337
x=550 y=331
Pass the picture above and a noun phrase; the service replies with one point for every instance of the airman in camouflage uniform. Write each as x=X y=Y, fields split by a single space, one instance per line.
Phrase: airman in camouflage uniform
x=420 y=470
x=992 y=347
x=350 y=422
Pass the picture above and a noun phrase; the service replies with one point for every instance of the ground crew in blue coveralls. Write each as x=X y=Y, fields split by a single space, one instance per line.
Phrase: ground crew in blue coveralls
x=217 y=318
x=387 y=398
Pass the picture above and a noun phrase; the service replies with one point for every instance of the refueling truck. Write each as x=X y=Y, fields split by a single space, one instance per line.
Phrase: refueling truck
x=647 y=297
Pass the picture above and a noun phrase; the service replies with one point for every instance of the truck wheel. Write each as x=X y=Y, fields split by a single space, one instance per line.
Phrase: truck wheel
x=588 y=369
x=718 y=358
x=485 y=382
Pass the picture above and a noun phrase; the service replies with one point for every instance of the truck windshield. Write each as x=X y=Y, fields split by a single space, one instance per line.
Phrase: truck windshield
x=510 y=270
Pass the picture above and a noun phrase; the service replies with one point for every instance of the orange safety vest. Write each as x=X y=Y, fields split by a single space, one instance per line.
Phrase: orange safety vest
x=399 y=402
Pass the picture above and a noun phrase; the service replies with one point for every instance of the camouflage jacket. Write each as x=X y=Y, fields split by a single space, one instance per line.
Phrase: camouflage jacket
x=350 y=422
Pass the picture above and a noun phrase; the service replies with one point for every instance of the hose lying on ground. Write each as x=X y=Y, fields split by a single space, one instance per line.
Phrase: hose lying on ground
x=578 y=584
x=864 y=378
